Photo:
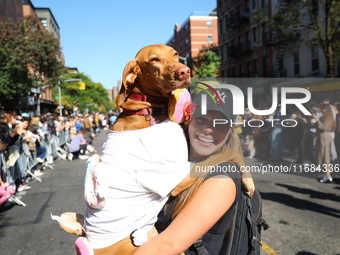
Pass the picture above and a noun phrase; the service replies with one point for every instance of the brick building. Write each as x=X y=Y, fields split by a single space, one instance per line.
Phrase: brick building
x=11 y=10
x=244 y=44
x=198 y=30
x=40 y=99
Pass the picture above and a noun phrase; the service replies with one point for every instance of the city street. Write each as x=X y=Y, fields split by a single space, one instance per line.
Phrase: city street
x=303 y=214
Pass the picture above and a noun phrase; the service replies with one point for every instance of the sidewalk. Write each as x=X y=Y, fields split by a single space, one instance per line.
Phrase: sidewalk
x=30 y=229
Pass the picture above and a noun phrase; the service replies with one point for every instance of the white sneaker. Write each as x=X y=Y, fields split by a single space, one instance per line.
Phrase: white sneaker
x=90 y=148
x=70 y=156
x=40 y=160
x=24 y=187
x=83 y=157
x=38 y=173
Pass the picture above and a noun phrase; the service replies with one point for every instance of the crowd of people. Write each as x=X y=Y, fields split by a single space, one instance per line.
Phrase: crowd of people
x=309 y=139
x=16 y=129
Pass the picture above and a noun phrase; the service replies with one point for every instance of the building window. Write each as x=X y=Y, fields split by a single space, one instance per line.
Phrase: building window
x=265 y=66
x=256 y=68
x=296 y=63
x=44 y=22
x=248 y=39
x=254 y=34
x=210 y=39
x=209 y=23
x=247 y=5
x=222 y=52
x=226 y=22
x=264 y=3
x=249 y=69
x=336 y=68
x=227 y=47
x=186 y=41
x=314 y=52
x=253 y=4
x=240 y=70
x=220 y=26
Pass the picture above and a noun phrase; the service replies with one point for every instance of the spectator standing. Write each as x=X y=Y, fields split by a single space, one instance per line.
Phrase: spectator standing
x=334 y=113
x=88 y=128
x=337 y=129
x=324 y=126
x=276 y=136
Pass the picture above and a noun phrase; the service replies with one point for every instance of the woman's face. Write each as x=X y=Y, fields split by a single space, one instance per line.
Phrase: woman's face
x=205 y=139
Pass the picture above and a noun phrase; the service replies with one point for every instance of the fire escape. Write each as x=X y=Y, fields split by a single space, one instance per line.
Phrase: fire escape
x=275 y=39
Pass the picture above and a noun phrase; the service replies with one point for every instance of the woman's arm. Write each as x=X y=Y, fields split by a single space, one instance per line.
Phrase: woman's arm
x=212 y=200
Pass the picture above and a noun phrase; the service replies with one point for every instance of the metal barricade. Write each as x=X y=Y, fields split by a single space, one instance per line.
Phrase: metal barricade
x=26 y=160
x=31 y=161
x=7 y=175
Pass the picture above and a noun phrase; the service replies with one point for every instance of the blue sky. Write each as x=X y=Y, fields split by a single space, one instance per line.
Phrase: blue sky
x=100 y=37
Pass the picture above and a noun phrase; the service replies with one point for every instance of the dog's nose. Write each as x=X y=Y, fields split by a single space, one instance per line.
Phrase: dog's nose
x=183 y=72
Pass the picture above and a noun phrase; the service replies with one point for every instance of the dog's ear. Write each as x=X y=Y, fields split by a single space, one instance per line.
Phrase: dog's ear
x=130 y=73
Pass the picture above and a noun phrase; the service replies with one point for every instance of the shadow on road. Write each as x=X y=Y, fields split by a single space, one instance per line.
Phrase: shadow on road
x=312 y=193
x=300 y=203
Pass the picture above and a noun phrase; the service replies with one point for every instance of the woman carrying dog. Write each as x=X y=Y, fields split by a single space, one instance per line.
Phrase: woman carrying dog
x=204 y=210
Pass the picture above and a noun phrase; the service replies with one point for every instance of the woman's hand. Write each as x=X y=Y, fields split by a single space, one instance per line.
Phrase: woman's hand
x=211 y=201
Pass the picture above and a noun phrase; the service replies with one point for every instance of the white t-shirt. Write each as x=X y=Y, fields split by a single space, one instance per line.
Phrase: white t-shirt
x=144 y=165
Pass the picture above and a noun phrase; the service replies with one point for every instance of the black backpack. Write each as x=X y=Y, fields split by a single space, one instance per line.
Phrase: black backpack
x=244 y=235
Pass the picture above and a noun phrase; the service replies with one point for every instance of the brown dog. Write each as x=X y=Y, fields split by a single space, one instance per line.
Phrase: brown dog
x=155 y=73
x=148 y=83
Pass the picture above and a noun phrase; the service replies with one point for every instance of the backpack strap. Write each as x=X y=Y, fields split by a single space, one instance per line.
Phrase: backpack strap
x=198 y=246
x=253 y=229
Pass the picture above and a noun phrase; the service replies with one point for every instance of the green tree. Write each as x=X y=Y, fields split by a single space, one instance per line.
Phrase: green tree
x=28 y=56
x=313 y=22
x=206 y=63
x=94 y=97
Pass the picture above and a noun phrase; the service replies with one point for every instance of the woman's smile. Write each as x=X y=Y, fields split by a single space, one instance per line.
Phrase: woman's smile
x=206 y=141
x=205 y=138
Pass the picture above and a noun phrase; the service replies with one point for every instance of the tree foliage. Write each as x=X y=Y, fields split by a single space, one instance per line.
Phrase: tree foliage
x=94 y=97
x=206 y=63
x=313 y=22
x=28 y=56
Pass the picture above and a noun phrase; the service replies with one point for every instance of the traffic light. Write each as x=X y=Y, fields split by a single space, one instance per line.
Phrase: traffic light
x=81 y=85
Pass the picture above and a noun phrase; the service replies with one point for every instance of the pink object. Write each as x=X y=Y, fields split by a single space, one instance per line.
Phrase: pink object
x=6 y=192
x=83 y=247
x=182 y=101
x=9 y=188
x=96 y=184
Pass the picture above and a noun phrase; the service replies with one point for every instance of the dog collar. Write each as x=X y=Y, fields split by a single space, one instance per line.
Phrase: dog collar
x=147 y=98
x=147 y=111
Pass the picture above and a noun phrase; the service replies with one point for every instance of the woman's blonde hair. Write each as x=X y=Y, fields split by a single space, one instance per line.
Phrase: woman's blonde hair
x=232 y=143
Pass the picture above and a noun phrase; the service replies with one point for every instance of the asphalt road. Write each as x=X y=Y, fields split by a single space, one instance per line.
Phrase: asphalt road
x=303 y=214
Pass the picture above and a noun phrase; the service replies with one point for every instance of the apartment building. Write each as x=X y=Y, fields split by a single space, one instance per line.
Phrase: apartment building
x=198 y=30
x=249 y=48
x=244 y=44
x=48 y=20
x=10 y=10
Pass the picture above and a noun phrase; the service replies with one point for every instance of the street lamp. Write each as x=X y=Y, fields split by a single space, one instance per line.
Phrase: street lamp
x=59 y=91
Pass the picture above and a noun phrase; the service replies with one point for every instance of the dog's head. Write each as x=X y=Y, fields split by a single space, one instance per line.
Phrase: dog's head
x=156 y=68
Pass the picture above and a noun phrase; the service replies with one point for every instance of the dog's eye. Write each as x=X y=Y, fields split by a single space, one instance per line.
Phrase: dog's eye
x=154 y=60
x=176 y=54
